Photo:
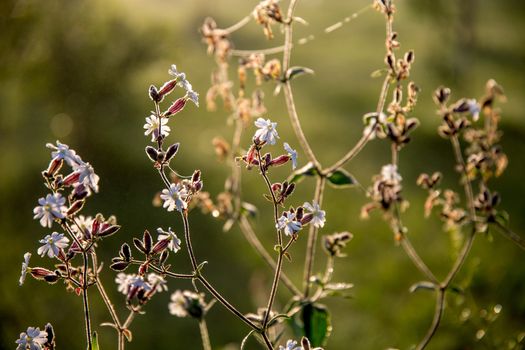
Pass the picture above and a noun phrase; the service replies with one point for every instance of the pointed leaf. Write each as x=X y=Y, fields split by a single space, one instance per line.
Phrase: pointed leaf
x=422 y=285
x=293 y=72
x=316 y=323
x=94 y=341
x=341 y=178
x=307 y=170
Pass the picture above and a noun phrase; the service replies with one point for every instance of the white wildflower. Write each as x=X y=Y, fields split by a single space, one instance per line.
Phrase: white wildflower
x=123 y=281
x=50 y=208
x=174 y=197
x=25 y=265
x=32 y=339
x=152 y=127
x=87 y=176
x=292 y=153
x=52 y=244
x=266 y=132
x=158 y=282
x=175 y=242
x=288 y=223
x=318 y=215
x=389 y=173
x=62 y=151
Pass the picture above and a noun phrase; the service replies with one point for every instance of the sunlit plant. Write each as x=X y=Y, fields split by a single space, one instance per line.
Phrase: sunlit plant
x=71 y=239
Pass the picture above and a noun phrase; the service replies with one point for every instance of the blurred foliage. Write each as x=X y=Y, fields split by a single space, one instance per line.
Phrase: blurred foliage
x=78 y=71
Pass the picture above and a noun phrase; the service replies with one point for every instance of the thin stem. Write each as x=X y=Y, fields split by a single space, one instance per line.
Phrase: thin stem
x=460 y=259
x=204 y=334
x=237 y=25
x=438 y=313
x=416 y=259
x=251 y=237
x=107 y=301
x=86 y=300
x=352 y=153
x=514 y=237
x=268 y=51
x=290 y=104
x=466 y=185
x=187 y=236
x=273 y=291
x=225 y=303
x=312 y=239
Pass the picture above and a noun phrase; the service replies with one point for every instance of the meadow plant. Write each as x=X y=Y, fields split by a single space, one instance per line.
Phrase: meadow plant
x=469 y=125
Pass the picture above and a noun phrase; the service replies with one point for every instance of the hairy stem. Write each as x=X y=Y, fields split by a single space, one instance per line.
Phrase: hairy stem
x=206 y=345
x=509 y=234
x=312 y=239
x=251 y=237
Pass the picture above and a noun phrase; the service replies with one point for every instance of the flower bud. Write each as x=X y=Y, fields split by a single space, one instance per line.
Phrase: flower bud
x=154 y=94
x=54 y=167
x=282 y=159
x=171 y=152
x=79 y=192
x=152 y=153
x=40 y=273
x=71 y=179
x=75 y=207
x=176 y=107
x=167 y=88
x=160 y=246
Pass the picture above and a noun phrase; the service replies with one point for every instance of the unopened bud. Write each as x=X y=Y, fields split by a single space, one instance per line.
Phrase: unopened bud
x=71 y=179
x=282 y=159
x=54 y=167
x=75 y=207
x=160 y=246
x=154 y=94
x=152 y=153
x=167 y=88
x=176 y=107
x=171 y=152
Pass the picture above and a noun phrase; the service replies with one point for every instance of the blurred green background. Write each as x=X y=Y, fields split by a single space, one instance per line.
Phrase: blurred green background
x=78 y=71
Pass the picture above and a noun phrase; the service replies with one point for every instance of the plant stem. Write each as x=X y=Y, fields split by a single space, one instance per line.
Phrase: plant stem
x=187 y=236
x=238 y=25
x=312 y=238
x=509 y=234
x=438 y=312
x=86 y=300
x=290 y=104
x=206 y=345
x=416 y=259
x=251 y=237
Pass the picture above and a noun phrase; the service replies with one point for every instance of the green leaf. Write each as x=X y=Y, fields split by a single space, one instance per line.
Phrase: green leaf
x=293 y=72
x=422 y=285
x=316 y=323
x=307 y=170
x=94 y=341
x=341 y=178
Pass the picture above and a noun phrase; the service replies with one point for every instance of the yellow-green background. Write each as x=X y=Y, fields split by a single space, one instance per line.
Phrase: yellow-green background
x=78 y=71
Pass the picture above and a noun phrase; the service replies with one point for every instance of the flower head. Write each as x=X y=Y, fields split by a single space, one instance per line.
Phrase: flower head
x=32 y=339
x=25 y=265
x=152 y=127
x=175 y=242
x=187 y=303
x=52 y=244
x=123 y=281
x=50 y=208
x=292 y=153
x=62 y=151
x=139 y=282
x=318 y=215
x=158 y=282
x=289 y=223
x=389 y=173
x=174 y=197
x=266 y=131
x=87 y=176
x=185 y=84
